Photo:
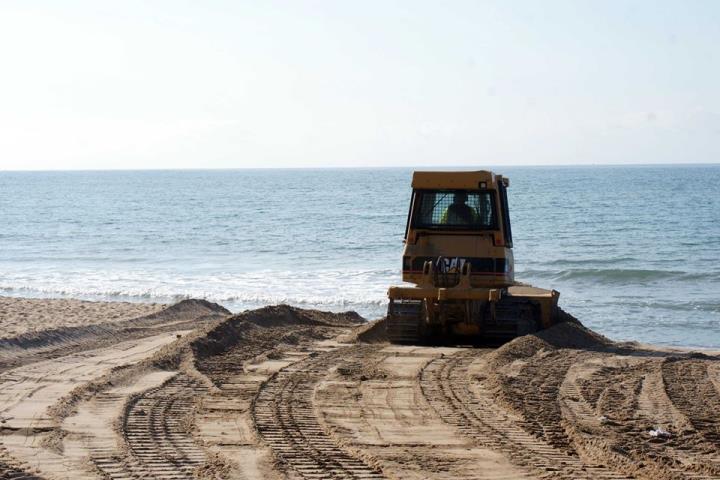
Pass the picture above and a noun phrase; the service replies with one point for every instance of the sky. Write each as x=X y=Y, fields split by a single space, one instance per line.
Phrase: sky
x=236 y=84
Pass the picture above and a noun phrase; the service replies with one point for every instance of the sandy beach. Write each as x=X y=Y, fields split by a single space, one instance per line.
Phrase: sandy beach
x=121 y=390
x=19 y=316
x=469 y=240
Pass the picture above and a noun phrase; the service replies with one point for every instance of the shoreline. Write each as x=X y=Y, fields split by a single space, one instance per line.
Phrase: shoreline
x=18 y=314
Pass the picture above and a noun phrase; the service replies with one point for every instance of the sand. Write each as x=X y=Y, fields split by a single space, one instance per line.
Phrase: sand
x=23 y=315
x=191 y=391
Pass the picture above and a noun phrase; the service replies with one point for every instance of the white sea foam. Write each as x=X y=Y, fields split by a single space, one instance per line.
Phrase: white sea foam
x=361 y=290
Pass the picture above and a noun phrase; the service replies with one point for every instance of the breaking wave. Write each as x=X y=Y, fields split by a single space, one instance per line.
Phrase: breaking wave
x=362 y=290
x=619 y=275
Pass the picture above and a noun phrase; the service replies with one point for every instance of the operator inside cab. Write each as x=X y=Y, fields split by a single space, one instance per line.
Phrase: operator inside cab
x=456 y=209
x=459 y=212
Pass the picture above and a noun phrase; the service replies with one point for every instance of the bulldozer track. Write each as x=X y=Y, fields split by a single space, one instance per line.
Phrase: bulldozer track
x=444 y=383
x=156 y=425
x=403 y=330
x=156 y=431
x=403 y=322
x=286 y=420
x=692 y=457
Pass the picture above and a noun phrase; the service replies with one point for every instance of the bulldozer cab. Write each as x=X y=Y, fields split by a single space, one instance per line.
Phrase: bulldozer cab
x=459 y=218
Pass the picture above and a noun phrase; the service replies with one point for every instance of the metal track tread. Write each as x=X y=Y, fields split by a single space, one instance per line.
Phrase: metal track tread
x=403 y=331
x=286 y=420
x=444 y=383
x=403 y=322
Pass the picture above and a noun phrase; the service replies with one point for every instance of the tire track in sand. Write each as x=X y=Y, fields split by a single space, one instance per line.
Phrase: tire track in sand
x=30 y=392
x=157 y=429
x=686 y=381
x=445 y=383
x=156 y=434
x=534 y=393
x=160 y=425
x=285 y=418
x=609 y=411
x=372 y=403
x=90 y=428
x=224 y=423
x=8 y=472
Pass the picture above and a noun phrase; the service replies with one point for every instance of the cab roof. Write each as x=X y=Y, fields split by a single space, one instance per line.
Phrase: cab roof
x=452 y=180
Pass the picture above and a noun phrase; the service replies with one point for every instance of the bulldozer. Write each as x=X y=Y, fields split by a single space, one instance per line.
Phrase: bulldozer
x=458 y=256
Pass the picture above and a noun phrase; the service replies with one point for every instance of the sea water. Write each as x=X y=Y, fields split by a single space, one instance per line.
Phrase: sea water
x=634 y=251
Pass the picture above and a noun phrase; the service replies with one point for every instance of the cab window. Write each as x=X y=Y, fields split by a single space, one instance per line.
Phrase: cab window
x=455 y=209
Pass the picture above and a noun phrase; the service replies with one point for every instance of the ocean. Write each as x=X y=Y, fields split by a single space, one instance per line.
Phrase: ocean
x=634 y=251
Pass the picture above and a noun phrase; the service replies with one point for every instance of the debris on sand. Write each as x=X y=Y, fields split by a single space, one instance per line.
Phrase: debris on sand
x=659 y=433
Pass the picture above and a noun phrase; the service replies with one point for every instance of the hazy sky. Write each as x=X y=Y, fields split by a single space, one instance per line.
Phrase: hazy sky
x=177 y=84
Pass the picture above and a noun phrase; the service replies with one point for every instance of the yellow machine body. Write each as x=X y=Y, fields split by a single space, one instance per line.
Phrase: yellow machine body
x=458 y=257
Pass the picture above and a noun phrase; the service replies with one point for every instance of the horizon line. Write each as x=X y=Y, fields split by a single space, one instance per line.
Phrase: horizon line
x=352 y=167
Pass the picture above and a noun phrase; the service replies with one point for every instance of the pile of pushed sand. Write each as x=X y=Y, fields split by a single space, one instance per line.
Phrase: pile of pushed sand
x=240 y=327
x=568 y=333
x=372 y=332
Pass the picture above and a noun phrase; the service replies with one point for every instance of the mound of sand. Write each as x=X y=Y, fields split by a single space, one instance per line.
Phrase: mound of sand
x=568 y=334
x=192 y=308
x=373 y=332
x=287 y=315
x=238 y=327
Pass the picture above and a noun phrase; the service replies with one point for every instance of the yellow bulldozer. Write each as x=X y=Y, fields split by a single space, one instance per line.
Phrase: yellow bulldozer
x=458 y=254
